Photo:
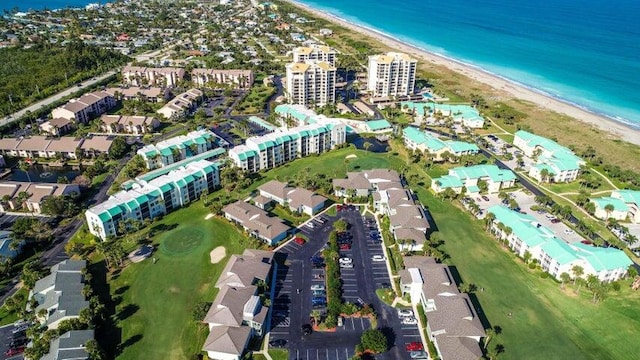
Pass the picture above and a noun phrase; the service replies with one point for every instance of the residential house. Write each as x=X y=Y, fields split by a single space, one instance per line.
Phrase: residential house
x=181 y=104
x=440 y=150
x=296 y=199
x=136 y=125
x=237 y=313
x=35 y=193
x=86 y=107
x=142 y=76
x=71 y=345
x=556 y=256
x=57 y=126
x=364 y=183
x=236 y=79
x=256 y=222
x=553 y=162
x=148 y=199
x=178 y=148
x=468 y=177
x=625 y=204
x=453 y=324
x=59 y=295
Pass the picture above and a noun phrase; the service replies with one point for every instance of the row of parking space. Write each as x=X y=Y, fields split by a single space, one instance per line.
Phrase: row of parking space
x=280 y=316
x=330 y=353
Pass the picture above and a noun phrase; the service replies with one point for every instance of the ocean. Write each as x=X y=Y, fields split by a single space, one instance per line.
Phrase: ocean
x=586 y=52
x=41 y=4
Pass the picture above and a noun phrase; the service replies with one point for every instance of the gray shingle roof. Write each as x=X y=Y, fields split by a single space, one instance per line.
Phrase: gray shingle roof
x=70 y=346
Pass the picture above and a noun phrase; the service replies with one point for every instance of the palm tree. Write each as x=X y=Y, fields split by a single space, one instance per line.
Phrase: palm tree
x=544 y=175
x=565 y=277
x=488 y=220
x=25 y=166
x=577 y=271
x=609 y=209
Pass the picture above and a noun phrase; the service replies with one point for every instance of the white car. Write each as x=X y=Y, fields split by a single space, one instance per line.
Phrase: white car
x=409 y=321
x=346 y=266
x=405 y=313
x=346 y=260
x=568 y=231
x=377 y=258
x=317 y=287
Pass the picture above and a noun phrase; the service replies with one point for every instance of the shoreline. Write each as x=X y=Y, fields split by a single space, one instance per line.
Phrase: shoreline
x=514 y=89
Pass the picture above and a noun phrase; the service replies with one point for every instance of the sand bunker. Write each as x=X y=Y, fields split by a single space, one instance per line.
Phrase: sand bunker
x=209 y=216
x=218 y=254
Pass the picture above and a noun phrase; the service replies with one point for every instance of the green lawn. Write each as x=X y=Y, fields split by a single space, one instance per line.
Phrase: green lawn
x=575 y=187
x=154 y=314
x=279 y=354
x=545 y=323
x=285 y=214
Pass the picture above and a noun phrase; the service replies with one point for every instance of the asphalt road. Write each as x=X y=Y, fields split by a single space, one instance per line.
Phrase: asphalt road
x=5 y=340
x=291 y=310
x=51 y=99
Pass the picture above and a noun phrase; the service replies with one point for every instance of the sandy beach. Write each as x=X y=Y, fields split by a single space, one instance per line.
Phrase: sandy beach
x=507 y=87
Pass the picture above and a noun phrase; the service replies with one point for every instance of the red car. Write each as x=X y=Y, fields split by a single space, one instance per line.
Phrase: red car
x=586 y=242
x=414 y=346
x=14 y=351
x=299 y=241
x=345 y=247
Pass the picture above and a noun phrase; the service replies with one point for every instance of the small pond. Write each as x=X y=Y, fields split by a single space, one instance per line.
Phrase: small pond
x=44 y=173
x=377 y=146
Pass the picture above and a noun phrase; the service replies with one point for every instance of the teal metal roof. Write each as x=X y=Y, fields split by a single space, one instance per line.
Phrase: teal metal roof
x=559 y=251
x=458 y=147
x=560 y=158
x=380 y=124
x=104 y=216
x=618 y=204
x=431 y=142
x=628 y=196
x=166 y=152
x=166 y=169
x=247 y=154
x=523 y=226
x=189 y=178
x=181 y=183
x=115 y=211
x=483 y=171
x=473 y=189
x=256 y=120
x=133 y=204
x=151 y=154
x=603 y=258
x=448 y=181
x=166 y=187
x=200 y=140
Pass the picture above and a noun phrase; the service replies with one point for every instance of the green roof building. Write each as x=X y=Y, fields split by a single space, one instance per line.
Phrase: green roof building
x=469 y=176
x=418 y=140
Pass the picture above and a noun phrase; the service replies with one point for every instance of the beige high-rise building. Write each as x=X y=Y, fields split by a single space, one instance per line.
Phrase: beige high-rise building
x=391 y=74
x=311 y=83
x=314 y=52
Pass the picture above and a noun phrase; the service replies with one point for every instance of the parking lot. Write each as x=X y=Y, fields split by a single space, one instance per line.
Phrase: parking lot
x=6 y=333
x=292 y=305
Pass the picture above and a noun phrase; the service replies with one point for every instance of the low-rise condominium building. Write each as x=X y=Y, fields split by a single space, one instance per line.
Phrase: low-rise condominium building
x=143 y=76
x=178 y=148
x=418 y=140
x=256 y=222
x=136 y=125
x=85 y=108
x=57 y=126
x=555 y=255
x=218 y=79
x=279 y=147
x=154 y=198
x=453 y=324
x=181 y=104
x=296 y=199
x=553 y=162
x=466 y=115
x=71 y=345
x=152 y=94
x=468 y=177
x=10 y=193
x=391 y=74
x=237 y=314
x=622 y=204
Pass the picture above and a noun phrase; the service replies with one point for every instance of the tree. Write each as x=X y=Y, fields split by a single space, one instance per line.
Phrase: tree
x=374 y=340
x=340 y=225
x=119 y=148
x=200 y=311
x=31 y=273
x=367 y=145
x=577 y=271
x=25 y=166
x=564 y=277
x=94 y=350
x=488 y=220
x=483 y=186
x=544 y=175
x=609 y=209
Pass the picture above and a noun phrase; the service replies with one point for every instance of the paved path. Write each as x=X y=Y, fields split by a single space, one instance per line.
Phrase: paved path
x=605 y=178
x=51 y=99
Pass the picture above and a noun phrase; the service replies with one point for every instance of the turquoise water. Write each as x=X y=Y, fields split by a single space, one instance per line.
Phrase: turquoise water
x=582 y=51
x=41 y=4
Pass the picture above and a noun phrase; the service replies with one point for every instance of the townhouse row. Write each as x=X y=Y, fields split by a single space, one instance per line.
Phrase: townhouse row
x=298 y=200
x=554 y=255
x=15 y=194
x=453 y=324
x=86 y=107
x=153 y=197
x=181 y=105
x=620 y=205
x=256 y=222
x=408 y=221
x=62 y=147
x=178 y=148
x=237 y=314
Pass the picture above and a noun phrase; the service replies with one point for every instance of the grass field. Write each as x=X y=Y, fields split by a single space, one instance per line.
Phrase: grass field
x=154 y=314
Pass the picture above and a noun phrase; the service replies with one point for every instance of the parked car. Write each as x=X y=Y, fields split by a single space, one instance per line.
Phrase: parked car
x=311 y=225
x=345 y=246
x=418 y=355
x=385 y=285
x=346 y=266
x=568 y=231
x=555 y=221
x=345 y=260
x=409 y=321
x=317 y=293
x=14 y=351
x=377 y=258
x=299 y=241
x=587 y=242
x=414 y=346
x=485 y=198
x=317 y=287
x=405 y=313
x=278 y=343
